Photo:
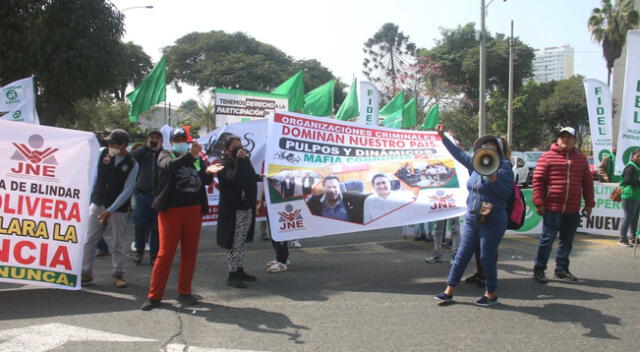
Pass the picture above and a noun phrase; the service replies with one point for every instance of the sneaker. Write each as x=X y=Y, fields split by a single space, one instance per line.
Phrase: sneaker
x=119 y=281
x=137 y=257
x=235 y=281
x=86 y=278
x=295 y=244
x=277 y=267
x=485 y=301
x=632 y=241
x=433 y=259
x=539 y=277
x=187 y=300
x=274 y=262
x=150 y=303
x=443 y=298
x=565 y=274
x=624 y=243
x=102 y=254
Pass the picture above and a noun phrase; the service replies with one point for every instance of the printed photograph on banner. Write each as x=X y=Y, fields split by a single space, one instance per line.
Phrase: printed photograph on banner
x=329 y=177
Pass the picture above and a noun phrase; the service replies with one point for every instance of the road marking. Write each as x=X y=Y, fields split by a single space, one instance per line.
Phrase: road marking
x=46 y=337
x=177 y=347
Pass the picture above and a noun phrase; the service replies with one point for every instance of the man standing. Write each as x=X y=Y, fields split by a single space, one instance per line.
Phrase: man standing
x=144 y=216
x=607 y=166
x=288 y=186
x=561 y=178
x=307 y=183
x=116 y=178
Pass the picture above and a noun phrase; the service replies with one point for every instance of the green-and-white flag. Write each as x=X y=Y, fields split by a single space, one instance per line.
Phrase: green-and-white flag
x=18 y=101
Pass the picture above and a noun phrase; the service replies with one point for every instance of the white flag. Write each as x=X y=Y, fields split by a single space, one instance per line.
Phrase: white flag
x=369 y=99
x=599 y=107
x=18 y=101
x=629 y=133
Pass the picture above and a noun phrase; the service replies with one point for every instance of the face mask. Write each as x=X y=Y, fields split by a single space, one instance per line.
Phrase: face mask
x=153 y=144
x=234 y=151
x=114 y=151
x=180 y=148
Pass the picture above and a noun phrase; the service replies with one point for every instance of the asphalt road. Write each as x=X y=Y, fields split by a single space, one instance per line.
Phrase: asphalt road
x=369 y=291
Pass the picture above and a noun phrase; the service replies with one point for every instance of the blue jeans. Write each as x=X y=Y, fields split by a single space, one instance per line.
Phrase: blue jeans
x=487 y=237
x=145 y=219
x=566 y=224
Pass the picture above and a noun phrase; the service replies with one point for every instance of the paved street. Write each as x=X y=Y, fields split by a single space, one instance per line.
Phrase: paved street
x=369 y=291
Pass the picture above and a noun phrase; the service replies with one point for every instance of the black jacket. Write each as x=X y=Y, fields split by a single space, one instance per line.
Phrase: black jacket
x=110 y=180
x=354 y=202
x=147 y=159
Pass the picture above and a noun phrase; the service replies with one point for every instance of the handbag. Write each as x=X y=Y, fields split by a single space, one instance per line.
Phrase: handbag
x=616 y=195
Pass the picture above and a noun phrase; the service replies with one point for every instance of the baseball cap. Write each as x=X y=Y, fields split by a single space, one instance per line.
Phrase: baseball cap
x=118 y=136
x=178 y=132
x=156 y=132
x=569 y=130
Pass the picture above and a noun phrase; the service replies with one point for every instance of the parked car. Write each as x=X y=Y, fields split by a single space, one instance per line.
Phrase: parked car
x=592 y=167
x=531 y=160
x=520 y=169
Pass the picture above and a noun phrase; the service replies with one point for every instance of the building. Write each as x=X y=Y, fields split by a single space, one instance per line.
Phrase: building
x=552 y=64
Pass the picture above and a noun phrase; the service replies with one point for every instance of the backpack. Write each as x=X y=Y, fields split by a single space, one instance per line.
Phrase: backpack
x=516 y=209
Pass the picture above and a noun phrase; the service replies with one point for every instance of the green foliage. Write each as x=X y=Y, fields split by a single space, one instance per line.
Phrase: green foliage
x=98 y=115
x=316 y=75
x=133 y=65
x=70 y=46
x=566 y=106
x=609 y=26
x=189 y=105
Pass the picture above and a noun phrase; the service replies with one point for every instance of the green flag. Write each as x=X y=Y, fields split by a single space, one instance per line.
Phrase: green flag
x=410 y=114
x=319 y=102
x=393 y=106
x=394 y=120
x=349 y=108
x=151 y=91
x=432 y=118
x=293 y=88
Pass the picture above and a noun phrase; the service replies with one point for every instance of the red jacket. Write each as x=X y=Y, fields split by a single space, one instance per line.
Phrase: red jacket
x=560 y=179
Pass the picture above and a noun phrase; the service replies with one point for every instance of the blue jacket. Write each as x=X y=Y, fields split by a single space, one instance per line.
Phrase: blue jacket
x=479 y=187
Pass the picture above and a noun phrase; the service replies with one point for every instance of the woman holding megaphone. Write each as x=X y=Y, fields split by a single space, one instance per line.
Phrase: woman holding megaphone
x=490 y=187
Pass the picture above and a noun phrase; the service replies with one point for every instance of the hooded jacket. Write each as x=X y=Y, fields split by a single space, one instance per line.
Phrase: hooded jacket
x=560 y=179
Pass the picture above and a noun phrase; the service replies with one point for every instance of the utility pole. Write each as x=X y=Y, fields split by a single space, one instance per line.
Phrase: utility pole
x=482 y=113
x=510 y=101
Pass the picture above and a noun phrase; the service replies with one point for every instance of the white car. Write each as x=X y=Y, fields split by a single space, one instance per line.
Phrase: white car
x=520 y=169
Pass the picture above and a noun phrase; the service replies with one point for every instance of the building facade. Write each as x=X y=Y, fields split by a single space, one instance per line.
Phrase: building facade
x=553 y=63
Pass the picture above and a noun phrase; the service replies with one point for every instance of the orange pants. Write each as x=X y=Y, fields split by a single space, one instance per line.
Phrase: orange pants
x=176 y=225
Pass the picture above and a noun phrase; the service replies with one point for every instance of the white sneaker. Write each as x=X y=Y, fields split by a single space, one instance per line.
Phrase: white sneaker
x=277 y=267
x=274 y=262
x=295 y=244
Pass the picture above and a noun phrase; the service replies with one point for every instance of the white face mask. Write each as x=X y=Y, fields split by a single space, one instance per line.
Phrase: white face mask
x=114 y=151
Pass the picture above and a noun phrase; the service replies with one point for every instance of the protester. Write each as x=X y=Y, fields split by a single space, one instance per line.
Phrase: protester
x=438 y=239
x=561 y=177
x=335 y=204
x=607 y=167
x=116 y=178
x=237 y=208
x=486 y=218
x=180 y=201
x=630 y=199
x=145 y=217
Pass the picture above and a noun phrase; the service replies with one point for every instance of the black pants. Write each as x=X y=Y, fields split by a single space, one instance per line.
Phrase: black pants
x=282 y=251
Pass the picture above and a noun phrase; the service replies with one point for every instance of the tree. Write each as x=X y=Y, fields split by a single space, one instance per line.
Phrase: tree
x=70 y=60
x=98 y=115
x=389 y=54
x=133 y=65
x=566 y=106
x=609 y=26
x=316 y=75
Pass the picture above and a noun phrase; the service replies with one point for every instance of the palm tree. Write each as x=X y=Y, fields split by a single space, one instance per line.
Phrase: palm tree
x=609 y=26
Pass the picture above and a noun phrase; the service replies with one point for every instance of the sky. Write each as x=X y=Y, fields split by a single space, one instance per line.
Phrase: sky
x=333 y=32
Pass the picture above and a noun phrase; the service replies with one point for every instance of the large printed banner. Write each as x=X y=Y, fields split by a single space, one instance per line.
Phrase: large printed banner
x=605 y=216
x=241 y=105
x=629 y=133
x=46 y=175
x=253 y=136
x=600 y=105
x=328 y=177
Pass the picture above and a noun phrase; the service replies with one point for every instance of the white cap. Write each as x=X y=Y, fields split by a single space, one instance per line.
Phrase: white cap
x=569 y=130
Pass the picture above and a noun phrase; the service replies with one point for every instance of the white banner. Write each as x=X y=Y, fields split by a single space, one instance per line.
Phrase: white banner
x=18 y=101
x=46 y=175
x=241 y=105
x=629 y=133
x=599 y=105
x=329 y=177
x=254 y=137
x=369 y=101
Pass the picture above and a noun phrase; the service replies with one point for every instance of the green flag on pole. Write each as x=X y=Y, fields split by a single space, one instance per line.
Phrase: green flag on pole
x=151 y=91
x=394 y=120
x=293 y=88
x=410 y=114
x=393 y=106
x=349 y=108
x=319 y=102
x=432 y=118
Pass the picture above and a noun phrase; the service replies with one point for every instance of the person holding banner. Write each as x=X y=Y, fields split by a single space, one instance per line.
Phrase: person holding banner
x=237 y=208
x=181 y=200
x=116 y=179
x=630 y=199
x=486 y=218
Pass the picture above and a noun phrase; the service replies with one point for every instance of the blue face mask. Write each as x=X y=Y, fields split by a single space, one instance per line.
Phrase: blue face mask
x=180 y=148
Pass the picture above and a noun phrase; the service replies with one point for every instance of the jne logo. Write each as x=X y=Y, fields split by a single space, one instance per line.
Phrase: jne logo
x=290 y=219
x=33 y=159
x=442 y=200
